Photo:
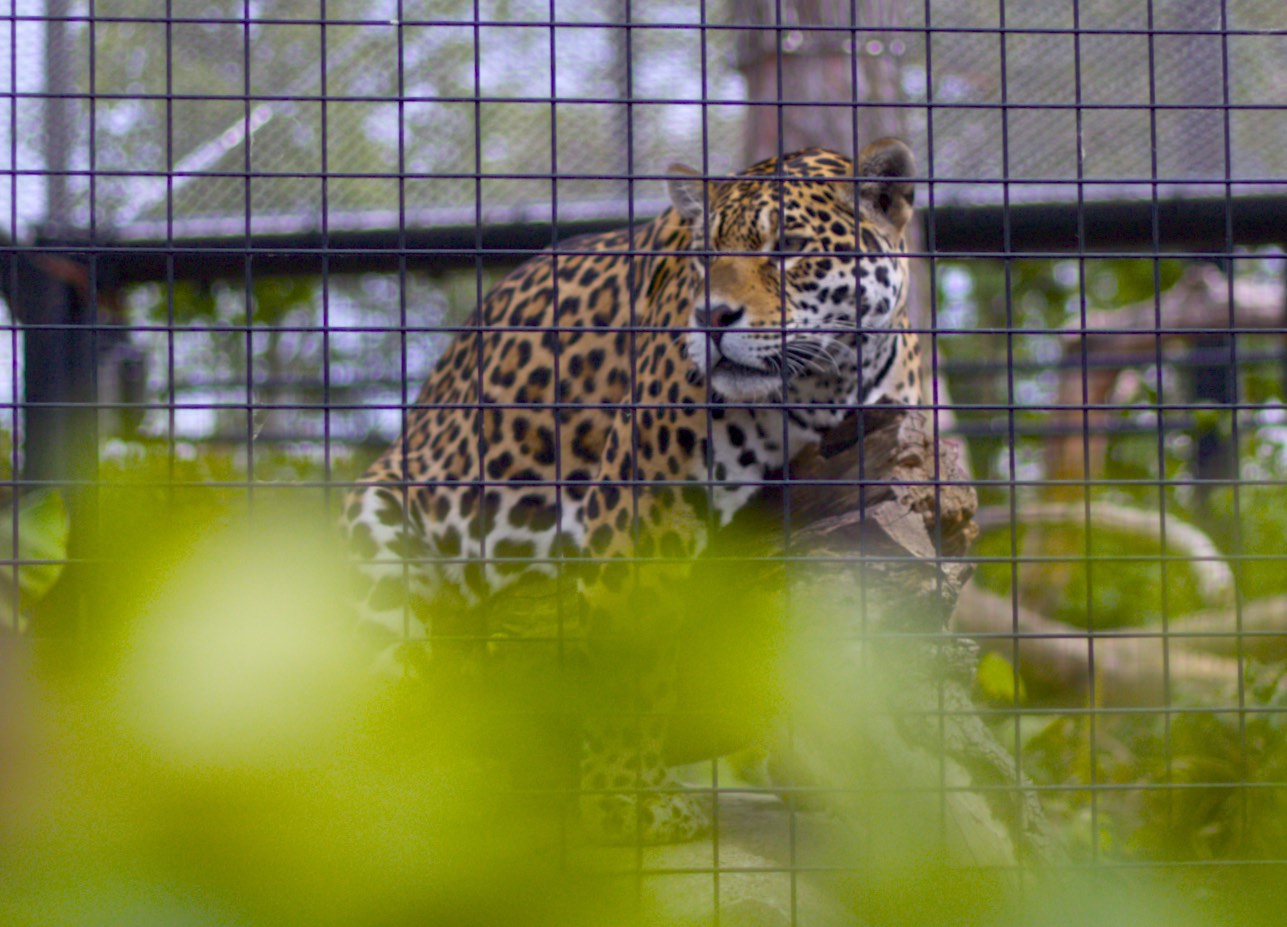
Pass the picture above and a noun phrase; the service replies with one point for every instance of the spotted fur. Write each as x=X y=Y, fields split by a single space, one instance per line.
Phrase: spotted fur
x=626 y=394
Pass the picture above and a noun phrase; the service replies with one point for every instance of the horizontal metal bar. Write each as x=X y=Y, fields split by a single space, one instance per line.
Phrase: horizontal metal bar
x=1198 y=227
x=625 y=406
x=1183 y=224
x=633 y=25
x=808 y=559
x=609 y=100
x=1073 y=333
x=642 y=484
x=951 y=366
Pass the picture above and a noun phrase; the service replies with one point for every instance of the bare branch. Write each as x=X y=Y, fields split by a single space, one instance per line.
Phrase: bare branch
x=1258 y=630
x=1215 y=578
x=1065 y=666
x=1199 y=301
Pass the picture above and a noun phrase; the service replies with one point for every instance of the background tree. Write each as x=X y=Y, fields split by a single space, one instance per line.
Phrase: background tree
x=820 y=72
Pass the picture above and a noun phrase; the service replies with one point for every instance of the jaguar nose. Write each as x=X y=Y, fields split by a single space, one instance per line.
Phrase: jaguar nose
x=717 y=316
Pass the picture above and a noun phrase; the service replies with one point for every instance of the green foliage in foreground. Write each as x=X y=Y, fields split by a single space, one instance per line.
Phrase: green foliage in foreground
x=217 y=753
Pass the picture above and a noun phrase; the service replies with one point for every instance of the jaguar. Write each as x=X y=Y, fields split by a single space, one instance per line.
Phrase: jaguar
x=615 y=400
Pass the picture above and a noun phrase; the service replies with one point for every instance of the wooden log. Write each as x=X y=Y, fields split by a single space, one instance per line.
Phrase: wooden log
x=882 y=697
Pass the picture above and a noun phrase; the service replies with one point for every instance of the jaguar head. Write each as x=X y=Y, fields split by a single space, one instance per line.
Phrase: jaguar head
x=797 y=258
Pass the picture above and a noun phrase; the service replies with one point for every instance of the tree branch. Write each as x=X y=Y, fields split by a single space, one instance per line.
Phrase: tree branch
x=1064 y=666
x=1215 y=578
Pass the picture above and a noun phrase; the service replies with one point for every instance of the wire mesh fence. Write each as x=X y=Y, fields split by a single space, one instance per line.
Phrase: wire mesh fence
x=251 y=248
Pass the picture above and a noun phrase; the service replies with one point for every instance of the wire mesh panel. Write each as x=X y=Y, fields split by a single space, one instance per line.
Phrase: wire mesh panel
x=769 y=461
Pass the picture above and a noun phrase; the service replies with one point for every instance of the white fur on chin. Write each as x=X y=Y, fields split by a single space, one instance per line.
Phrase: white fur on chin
x=741 y=387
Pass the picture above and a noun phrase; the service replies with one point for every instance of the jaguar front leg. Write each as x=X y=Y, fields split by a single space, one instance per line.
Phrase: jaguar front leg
x=627 y=794
x=389 y=561
x=639 y=540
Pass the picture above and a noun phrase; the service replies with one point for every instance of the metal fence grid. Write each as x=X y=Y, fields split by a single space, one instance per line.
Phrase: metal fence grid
x=240 y=233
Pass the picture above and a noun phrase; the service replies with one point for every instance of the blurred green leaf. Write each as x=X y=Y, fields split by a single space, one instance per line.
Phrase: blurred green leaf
x=996 y=678
x=40 y=528
x=277 y=297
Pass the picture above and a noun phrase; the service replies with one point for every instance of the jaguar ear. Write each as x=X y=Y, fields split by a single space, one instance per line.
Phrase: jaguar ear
x=687 y=192
x=883 y=169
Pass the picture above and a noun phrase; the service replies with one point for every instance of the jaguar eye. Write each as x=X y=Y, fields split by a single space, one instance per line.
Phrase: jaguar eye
x=793 y=244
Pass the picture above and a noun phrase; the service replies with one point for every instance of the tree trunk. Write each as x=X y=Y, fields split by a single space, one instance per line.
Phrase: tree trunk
x=841 y=69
